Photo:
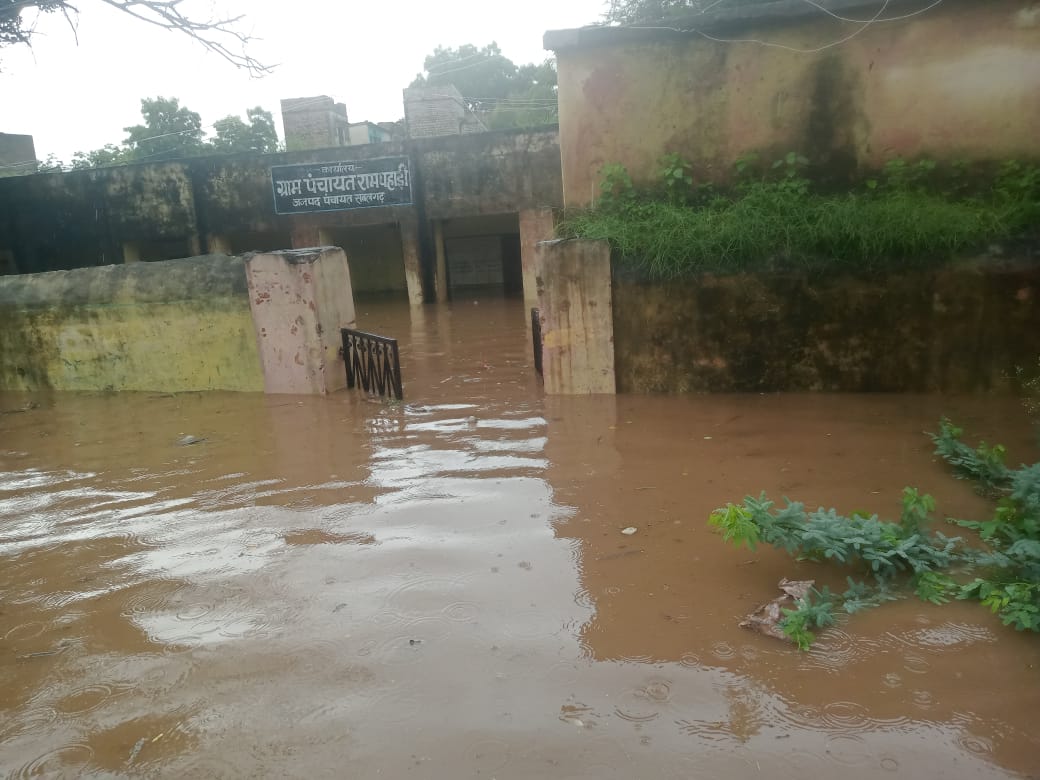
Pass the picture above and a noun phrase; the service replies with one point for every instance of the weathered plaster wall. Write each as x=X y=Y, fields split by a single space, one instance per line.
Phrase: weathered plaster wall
x=959 y=80
x=145 y=211
x=957 y=330
x=173 y=326
x=490 y=173
x=56 y=221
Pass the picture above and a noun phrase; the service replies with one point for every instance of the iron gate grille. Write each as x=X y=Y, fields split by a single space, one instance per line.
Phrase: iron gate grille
x=373 y=362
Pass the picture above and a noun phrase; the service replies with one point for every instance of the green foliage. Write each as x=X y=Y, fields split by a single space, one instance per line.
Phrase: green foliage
x=1016 y=603
x=773 y=218
x=791 y=168
x=234 y=135
x=984 y=465
x=814 y=611
x=615 y=186
x=497 y=90
x=109 y=154
x=883 y=550
x=676 y=177
x=172 y=131
x=935 y=586
x=736 y=524
x=907 y=556
x=169 y=131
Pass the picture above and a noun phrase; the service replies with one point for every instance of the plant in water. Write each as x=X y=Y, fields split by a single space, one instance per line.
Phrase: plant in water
x=895 y=558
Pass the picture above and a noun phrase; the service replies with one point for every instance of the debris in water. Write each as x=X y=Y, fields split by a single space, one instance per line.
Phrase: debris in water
x=187 y=441
x=28 y=406
x=136 y=749
x=629 y=531
x=414 y=642
x=766 y=619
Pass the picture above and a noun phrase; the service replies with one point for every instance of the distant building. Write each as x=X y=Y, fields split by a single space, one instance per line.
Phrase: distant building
x=17 y=154
x=314 y=123
x=430 y=112
x=368 y=133
x=320 y=122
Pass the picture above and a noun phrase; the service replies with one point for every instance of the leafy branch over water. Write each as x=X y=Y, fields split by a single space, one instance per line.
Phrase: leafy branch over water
x=897 y=557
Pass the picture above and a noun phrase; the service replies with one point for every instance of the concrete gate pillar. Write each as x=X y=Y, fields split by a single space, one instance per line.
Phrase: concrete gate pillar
x=535 y=225
x=300 y=299
x=577 y=316
x=441 y=271
x=411 y=252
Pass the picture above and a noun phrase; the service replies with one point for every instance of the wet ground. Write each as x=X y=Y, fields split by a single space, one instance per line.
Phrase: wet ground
x=441 y=589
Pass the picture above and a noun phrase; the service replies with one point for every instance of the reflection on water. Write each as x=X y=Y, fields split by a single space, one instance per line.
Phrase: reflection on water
x=441 y=589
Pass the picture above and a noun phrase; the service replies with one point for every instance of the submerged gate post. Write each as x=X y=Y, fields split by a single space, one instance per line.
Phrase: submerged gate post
x=300 y=300
x=535 y=225
x=577 y=316
x=411 y=252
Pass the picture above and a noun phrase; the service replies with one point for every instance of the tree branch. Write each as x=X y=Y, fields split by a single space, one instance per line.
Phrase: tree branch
x=215 y=35
x=219 y=35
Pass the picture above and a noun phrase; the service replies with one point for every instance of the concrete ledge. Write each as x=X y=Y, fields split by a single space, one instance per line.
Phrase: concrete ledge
x=172 y=326
x=185 y=279
x=723 y=18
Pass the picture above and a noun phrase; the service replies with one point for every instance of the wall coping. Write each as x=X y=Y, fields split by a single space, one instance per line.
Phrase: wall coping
x=214 y=276
x=722 y=18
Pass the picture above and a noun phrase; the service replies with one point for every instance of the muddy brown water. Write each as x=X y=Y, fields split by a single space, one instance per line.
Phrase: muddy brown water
x=440 y=589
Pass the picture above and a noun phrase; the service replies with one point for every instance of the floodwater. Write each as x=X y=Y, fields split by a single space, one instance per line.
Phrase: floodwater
x=441 y=589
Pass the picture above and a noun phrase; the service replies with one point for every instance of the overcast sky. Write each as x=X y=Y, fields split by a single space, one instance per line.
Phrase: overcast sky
x=77 y=97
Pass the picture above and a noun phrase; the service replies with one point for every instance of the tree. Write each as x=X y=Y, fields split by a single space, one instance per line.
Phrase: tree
x=234 y=135
x=219 y=35
x=493 y=87
x=109 y=154
x=170 y=130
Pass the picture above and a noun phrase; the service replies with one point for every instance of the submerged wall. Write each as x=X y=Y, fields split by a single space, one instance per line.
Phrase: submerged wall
x=953 y=330
x=960 y=79
x=172 y=326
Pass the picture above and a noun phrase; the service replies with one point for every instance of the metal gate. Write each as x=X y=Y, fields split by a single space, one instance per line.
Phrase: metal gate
x=372 y=361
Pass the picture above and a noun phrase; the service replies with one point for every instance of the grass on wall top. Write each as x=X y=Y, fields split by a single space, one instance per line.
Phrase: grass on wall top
x=910 y=216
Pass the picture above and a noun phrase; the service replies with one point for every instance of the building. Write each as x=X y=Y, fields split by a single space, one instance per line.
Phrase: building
x=316 y=122
x=948 y=81
x=17 y=154
x=430 y=112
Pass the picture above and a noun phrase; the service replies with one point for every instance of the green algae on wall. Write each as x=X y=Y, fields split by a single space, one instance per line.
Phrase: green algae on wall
x=957 y=82
x=955 y=330
x=173 y=326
